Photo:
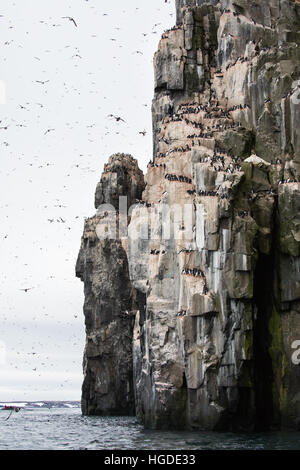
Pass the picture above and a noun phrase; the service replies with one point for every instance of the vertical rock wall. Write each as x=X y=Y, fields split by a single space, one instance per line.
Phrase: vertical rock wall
x=110 y=300
x=218 y=304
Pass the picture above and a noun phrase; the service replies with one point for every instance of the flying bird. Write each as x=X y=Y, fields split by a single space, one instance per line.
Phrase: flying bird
x=16 y=409
x=27 y=289
x=117 y=118
x=70 y=19
x=49 y=130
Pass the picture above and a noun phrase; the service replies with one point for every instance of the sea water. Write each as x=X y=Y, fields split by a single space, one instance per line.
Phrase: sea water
x=63 y=428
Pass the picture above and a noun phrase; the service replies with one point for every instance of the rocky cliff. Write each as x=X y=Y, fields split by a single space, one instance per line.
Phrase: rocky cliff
x=208 y=273
x=110 y=300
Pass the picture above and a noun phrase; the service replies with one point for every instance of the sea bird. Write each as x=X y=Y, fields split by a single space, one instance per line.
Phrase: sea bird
x=117 y=118
x=70 y=19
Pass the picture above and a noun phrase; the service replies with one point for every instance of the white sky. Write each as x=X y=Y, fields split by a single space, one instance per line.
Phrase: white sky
x=93 y=71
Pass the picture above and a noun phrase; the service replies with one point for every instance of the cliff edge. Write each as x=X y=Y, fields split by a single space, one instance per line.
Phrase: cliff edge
x=192 y=298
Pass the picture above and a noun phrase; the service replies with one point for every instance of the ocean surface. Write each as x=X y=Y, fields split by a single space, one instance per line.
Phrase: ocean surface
x=60 y=426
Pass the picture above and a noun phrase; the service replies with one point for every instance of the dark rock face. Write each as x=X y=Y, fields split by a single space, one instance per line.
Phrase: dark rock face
x=109 y=300
x=216 y=308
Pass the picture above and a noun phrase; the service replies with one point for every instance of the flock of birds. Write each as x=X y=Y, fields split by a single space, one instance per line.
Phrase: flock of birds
x=59 y=205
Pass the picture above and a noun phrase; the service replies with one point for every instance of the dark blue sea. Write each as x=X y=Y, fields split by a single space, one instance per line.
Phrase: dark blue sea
x=57 y=426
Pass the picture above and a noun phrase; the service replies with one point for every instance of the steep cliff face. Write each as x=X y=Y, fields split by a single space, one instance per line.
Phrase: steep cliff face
x=217 y=300
x=110 y=300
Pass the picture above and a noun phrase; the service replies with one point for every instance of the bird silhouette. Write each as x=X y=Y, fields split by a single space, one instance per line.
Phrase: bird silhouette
x=117 y=118
x=70 y=19
x=48 y=130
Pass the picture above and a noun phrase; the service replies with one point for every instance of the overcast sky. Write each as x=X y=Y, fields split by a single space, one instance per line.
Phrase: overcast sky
x=62 y=82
